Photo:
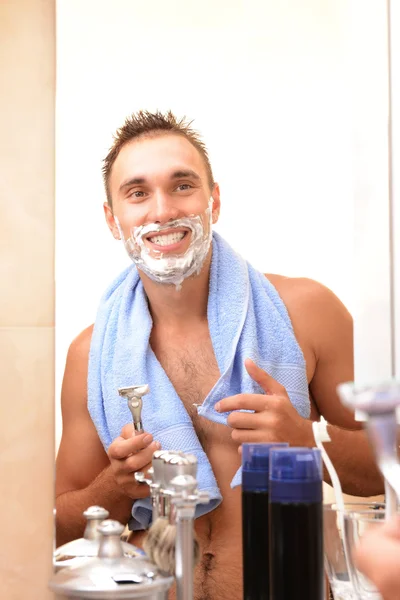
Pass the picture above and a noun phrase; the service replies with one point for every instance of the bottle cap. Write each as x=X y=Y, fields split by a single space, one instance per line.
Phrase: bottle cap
x=255 y=466
x=295 y=475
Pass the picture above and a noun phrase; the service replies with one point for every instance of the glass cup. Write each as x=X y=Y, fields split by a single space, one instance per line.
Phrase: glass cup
x=338 y=562
x=356 y=524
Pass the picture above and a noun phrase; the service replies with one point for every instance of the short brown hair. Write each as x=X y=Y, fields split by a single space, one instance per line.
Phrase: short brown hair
x=146 y=124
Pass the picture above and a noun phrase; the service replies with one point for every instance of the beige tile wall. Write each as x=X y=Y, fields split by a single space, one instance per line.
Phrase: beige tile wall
x=27 y=84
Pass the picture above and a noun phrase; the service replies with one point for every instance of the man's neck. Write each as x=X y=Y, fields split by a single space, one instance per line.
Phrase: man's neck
x=177 y=309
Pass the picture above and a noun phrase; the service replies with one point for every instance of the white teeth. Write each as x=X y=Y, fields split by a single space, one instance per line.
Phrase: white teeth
x=167 y=239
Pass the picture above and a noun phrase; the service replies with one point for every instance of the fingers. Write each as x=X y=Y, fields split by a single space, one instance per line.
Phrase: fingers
x=268 y=383
x=140 y=460
x=126 y=480
x=267 y=420
x=241 y=420
x=255 y=402
x=127 y=457
x=128 y=431
x=123 y=447
x=267 y=427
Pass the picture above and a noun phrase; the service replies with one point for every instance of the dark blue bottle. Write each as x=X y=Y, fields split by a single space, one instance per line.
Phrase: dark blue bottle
x=255 y=522
x=296 y=534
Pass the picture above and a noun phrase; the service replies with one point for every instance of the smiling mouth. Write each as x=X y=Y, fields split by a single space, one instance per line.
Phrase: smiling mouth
x=165 y=240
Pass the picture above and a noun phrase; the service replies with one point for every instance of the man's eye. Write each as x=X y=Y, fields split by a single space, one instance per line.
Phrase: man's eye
x=137 y=194
x=184 y=186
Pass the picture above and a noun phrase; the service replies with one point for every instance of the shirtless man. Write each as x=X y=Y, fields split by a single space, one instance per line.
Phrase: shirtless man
x=154 y=161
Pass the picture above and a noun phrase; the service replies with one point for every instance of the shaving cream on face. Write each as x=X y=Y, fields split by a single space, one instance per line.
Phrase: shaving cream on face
x=171 y=268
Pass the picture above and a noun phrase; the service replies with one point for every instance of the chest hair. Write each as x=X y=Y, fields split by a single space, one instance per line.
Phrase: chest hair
x=193 y=372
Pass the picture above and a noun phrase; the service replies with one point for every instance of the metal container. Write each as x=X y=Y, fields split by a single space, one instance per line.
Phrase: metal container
x=78 y=551
x=111 y=575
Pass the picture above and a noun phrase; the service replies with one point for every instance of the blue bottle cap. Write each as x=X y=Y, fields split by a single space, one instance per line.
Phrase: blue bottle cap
x=295 y=475
x=255 y=466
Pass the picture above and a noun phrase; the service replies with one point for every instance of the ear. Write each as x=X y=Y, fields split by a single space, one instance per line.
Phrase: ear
x=216 y=203
x=110 y=220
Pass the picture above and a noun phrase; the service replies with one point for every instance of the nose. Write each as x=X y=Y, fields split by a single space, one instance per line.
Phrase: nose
x=163 y=208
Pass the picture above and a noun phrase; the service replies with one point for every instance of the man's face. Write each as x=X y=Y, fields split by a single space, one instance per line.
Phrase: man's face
x=157 y=180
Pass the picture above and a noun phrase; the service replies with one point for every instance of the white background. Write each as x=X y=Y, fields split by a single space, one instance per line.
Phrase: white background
x=268 y=85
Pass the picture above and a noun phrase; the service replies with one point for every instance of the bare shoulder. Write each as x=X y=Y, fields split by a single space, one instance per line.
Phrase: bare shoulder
x=311 y=305
x=324 y=329
x=74 y=388
x=80 y=346
x=302 y=290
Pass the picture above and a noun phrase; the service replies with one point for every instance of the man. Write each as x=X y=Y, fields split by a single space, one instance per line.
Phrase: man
x=162 y=201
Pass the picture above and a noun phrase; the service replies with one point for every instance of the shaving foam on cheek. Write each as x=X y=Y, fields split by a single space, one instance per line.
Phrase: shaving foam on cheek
x=171 y=268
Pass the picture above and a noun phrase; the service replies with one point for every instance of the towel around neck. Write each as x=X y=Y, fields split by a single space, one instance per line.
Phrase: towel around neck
x=247 y=319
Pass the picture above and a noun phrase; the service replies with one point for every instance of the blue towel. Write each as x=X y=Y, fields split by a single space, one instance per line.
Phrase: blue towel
x=247 y=319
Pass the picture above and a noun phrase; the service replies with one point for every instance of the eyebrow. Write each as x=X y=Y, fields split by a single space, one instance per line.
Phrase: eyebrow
x=175 y=175
x=132 y=181
x=185 y=173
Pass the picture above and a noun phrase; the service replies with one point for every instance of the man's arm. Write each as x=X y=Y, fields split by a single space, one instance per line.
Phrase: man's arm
x=84 y=474
x=330 y=330
x=323 y=328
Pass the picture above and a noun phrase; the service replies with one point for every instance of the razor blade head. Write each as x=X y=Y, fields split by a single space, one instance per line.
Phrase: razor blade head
x=134 y=391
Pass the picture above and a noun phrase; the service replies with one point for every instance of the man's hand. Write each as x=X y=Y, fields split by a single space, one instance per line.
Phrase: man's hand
x=129 y=453
x=274 y=418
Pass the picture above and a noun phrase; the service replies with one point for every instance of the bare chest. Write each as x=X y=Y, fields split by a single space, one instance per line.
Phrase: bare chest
x=193 y=371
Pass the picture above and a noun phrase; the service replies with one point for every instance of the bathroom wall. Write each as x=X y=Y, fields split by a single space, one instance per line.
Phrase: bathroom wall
x=267 y=84
x=395 y=170
x=374 y=326
x=27 y=83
